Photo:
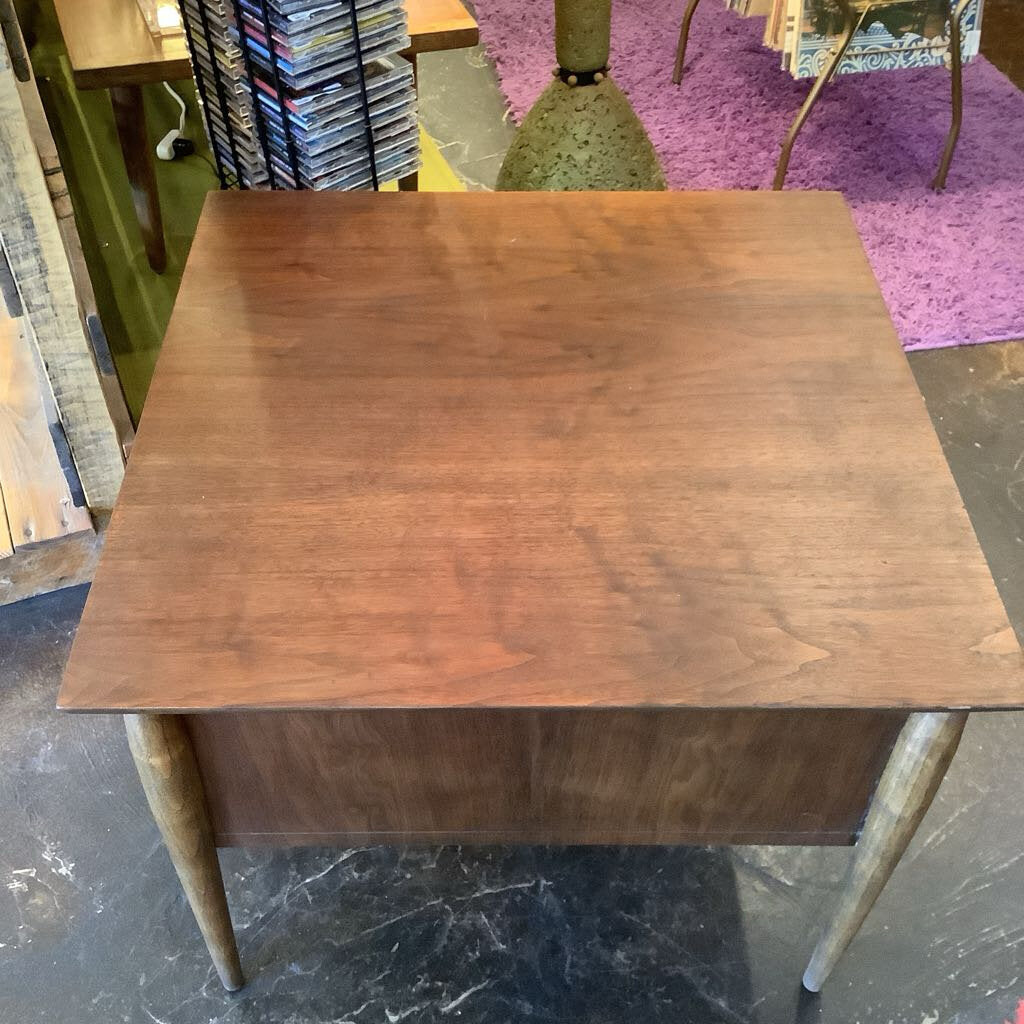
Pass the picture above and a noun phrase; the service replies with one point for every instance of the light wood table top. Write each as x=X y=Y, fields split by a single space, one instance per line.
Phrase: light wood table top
x=536 y=450
x=109 y=43
x=440 y=25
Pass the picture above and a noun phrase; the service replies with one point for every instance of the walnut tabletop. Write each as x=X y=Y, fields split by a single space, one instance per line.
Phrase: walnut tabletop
x=536 y=451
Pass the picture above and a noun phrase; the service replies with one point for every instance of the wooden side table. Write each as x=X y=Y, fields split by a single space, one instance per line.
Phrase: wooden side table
x=110 y=47
x=539 y=518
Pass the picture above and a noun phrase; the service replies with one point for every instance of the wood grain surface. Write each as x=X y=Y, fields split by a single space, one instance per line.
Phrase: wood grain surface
x=6 y=544
x=130 y=121
x=37 y=500
x=439 y=25
x=174 y=789
x=38 y=262
x=60 y=197
x=109 y=43
x=536 y=450
x=40 y=568
x=564 y=777
x=908 y=785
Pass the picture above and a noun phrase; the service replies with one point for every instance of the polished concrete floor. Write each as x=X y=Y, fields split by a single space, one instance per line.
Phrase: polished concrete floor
x=93 y=927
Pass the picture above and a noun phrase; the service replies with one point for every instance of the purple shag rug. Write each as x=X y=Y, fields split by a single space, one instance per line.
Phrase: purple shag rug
x=951 y=266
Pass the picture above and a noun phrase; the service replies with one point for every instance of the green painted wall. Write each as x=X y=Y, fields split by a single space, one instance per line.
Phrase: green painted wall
x=134 y=303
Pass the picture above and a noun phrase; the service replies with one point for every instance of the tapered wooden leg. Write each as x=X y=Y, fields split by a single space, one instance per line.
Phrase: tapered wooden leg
x=684 y=38
x=170 y=776
x=130 y=119
x=917 y=766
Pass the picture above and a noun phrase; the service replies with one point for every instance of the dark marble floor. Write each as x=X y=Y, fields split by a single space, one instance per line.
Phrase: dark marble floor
x=93 y=927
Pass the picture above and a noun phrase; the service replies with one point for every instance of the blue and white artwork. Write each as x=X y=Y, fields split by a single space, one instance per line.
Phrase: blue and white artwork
x=875 y=48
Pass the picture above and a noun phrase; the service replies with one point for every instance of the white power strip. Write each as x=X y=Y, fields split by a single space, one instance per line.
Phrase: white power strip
x=165 y=147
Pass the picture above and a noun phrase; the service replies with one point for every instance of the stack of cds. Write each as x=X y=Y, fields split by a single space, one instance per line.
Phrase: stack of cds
x=225 y=92
x=295 y=90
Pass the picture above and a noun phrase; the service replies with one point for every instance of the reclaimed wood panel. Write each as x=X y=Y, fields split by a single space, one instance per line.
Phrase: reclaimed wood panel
x=541 y=777
x=439 y=25
x=42 y=568
x=38 y=500
x=35 y=253
x=60 y=197
x=109 y=44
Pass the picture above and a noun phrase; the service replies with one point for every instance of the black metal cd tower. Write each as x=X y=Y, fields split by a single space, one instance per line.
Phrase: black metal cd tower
x=225 y=126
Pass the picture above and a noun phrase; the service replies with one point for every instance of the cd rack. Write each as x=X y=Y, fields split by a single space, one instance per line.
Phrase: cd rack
x=303 y=95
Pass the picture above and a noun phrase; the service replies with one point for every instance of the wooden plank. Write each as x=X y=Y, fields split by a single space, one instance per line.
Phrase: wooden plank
x=537 y=450
x=38 y=499
x=35 y=252
x=589 y=776
x=43 y=568
x=60 y=196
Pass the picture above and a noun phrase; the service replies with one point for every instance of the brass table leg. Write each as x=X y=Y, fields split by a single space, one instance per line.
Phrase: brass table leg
x=684 y=36
x=167 y=767
x=849 y=30
x=957 y=98
x=916 y=767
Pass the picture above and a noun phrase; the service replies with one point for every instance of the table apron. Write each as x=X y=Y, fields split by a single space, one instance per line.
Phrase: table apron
x=589 y=776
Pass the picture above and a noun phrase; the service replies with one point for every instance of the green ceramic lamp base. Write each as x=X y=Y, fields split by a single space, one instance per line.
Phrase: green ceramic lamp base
x=582 y=134
x=578 y=138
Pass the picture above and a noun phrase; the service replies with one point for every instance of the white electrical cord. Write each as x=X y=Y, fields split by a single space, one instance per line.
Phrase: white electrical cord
x=181 y=103
x=165 y=147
